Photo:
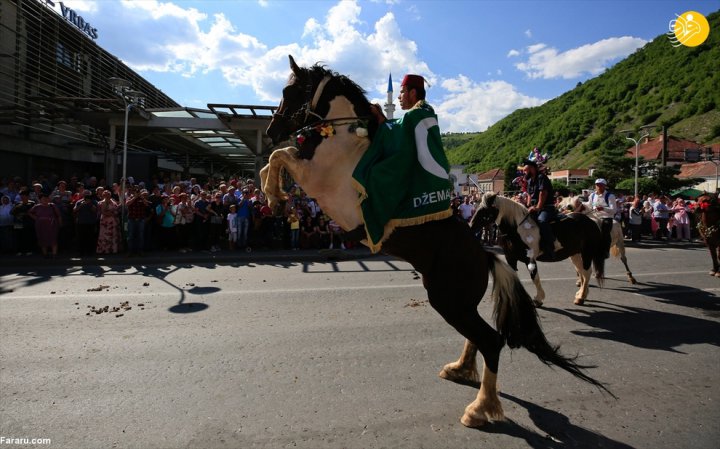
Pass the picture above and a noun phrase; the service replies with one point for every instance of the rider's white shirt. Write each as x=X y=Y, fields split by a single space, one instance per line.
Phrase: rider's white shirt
x=609 y=207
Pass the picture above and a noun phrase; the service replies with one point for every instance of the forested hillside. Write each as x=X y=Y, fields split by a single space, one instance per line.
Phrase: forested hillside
x=658 y=84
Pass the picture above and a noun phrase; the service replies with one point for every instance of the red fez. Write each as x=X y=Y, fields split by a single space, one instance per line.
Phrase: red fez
x=413 y=81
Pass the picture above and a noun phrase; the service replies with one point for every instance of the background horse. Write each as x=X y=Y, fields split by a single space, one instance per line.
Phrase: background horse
x=707 y=211
x=617 y=243
x=578 y=235
x=316 y=99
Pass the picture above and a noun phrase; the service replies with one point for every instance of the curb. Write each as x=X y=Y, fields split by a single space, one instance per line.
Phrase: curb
x=176 y=258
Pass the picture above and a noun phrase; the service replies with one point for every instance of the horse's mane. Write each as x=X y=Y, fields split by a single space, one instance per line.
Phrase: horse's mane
x=345 y=87
x=509 y=211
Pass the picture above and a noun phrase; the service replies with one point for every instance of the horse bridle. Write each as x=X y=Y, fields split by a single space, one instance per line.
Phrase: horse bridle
x=309 y=106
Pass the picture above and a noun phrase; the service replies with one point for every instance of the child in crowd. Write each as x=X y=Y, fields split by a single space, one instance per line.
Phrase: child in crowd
x=294 y=222
x=232 y=228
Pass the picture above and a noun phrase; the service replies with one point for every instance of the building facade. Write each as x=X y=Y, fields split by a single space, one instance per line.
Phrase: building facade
x=60 y=114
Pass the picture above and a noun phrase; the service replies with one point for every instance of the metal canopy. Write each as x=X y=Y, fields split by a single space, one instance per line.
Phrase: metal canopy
x=225 y=137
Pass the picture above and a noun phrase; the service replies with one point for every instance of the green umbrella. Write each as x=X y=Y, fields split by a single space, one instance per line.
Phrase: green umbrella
x=687 y=193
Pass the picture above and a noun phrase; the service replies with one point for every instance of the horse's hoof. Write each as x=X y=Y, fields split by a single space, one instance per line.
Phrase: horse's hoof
x=717 y=274
x=632 y=280
x=477 y=414
x=713 y=273
x=579 y=301
x=537 y=303
x=463 y=376
x=473 y=420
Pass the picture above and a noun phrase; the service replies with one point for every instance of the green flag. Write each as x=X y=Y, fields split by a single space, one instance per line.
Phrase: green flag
x=403 y=178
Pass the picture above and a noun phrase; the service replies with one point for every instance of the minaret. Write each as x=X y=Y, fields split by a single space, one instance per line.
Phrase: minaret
x=389 y=106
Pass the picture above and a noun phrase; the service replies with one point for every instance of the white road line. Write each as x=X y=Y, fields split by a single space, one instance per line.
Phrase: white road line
x=340 y=290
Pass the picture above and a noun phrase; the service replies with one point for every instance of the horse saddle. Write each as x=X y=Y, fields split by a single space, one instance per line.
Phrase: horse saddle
x=530 y=234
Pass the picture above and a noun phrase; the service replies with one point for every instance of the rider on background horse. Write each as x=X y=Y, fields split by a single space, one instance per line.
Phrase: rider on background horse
x=540 y=203
x=604 y=206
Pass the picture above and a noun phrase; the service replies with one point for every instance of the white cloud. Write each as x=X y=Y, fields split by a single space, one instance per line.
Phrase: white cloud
x=547 y=62
x=471 y=106
x=191 y=43
x=167 y=37
x=528 y=33
x=513 y=53
x=84 y=6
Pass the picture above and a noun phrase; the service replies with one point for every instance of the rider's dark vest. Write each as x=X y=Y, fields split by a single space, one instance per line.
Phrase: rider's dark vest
x=535 y=186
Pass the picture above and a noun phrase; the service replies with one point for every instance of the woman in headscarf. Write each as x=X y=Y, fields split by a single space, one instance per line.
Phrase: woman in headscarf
x=47 y=224
x=109 y=229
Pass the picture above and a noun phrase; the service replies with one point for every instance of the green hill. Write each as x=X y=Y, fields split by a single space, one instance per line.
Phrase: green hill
x=658 y=84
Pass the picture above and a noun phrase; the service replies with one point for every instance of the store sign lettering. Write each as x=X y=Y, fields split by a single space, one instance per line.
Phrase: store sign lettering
x=72 y=17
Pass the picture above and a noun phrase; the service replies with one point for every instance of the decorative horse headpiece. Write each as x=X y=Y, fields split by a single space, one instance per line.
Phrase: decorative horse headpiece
x=306 y=103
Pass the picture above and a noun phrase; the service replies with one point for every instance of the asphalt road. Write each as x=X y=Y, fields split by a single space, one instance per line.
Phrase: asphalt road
x=346 y=354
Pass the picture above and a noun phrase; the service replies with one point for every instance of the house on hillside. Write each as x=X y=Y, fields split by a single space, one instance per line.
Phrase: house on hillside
x=491 y=181
x=651 y=149
x=570 y=177
x=707 y=171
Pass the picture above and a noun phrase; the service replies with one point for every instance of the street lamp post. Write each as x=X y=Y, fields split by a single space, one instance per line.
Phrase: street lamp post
x=643 y=134
x=130 y=98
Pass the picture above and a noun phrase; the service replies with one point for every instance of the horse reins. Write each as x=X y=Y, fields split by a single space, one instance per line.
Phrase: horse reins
x=311 y=106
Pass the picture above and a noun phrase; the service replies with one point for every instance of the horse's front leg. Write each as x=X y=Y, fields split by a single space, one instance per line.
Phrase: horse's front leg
x=464 y=371
x=584 y=279
x=270 y=174
x=540 y=293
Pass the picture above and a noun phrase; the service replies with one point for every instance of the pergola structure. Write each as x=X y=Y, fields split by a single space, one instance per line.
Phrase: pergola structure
x=226 y=138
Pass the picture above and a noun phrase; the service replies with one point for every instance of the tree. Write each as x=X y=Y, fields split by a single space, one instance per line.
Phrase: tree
x=615 y=166
x=645 y=185
x=668 y=181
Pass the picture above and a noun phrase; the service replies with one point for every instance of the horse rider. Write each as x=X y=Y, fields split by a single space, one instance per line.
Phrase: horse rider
x=405 y=172
x=540 y=203
x=604 y=205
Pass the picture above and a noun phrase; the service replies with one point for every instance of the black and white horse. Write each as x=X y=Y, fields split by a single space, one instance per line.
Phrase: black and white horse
x=578 y=235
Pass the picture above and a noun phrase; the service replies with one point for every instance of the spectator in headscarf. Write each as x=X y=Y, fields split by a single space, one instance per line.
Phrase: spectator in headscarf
x=47 y=224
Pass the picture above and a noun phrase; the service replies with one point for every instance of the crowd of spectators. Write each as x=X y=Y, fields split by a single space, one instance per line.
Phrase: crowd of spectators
x=87 y=217
x=650 y=217
x=84 y=216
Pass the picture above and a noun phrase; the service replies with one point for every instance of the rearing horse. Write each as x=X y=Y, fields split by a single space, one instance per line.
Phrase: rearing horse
x=328 y=109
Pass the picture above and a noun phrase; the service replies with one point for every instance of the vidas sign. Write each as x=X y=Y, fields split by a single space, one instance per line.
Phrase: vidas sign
x=72 y=17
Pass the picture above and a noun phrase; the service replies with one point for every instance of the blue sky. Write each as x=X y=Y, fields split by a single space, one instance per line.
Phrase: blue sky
x=484 y=59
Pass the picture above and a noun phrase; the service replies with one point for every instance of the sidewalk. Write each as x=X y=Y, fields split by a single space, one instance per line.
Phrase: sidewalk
x=10 y=262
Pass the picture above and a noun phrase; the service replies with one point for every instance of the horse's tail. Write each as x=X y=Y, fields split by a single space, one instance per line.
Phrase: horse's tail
x=519 y=325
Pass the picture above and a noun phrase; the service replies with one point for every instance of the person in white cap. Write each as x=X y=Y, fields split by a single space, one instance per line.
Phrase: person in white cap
x=604 y=206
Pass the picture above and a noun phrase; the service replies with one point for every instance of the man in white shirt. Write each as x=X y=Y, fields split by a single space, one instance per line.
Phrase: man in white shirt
x=603 y=205
x=601 y=201
x=466 y=209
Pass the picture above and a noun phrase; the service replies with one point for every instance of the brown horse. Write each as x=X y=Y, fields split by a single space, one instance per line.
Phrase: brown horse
x=707 y=212
x=443 y=251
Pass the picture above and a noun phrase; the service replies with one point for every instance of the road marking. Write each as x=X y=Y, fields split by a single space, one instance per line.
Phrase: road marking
x=94 y=295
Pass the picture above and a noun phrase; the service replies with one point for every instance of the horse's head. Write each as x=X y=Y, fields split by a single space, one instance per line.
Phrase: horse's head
x=306 y=100
x=485 y=213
